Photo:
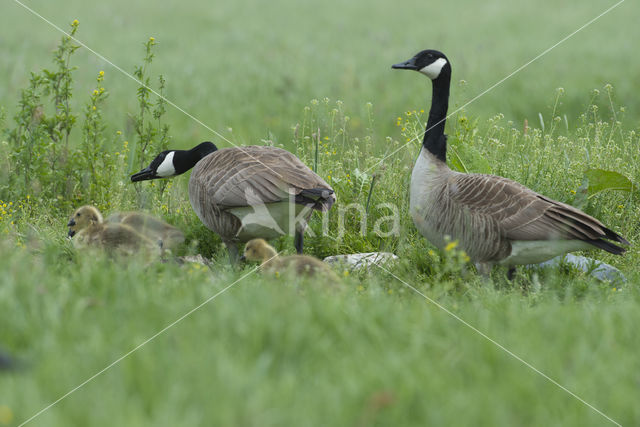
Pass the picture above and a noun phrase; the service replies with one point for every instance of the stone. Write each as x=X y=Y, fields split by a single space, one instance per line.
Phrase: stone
x=597 y=269
x=361 y=260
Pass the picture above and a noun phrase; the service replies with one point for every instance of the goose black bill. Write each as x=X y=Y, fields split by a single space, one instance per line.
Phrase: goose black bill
x=406 y=65
x=144 y=175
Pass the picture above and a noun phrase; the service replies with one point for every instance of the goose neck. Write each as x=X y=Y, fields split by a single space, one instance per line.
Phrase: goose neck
x=434 y=138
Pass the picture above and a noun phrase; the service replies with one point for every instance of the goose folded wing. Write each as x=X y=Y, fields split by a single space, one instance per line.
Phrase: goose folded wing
x=255 y=175
x=524 y=214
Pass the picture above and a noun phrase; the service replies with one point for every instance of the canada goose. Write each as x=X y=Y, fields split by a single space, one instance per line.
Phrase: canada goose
x=246 y=192
x=495 y=220
x=89 y=229
x=259 y=250
x=149 y=226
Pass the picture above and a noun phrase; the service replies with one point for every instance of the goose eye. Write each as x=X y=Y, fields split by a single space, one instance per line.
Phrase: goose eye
x=78 y=214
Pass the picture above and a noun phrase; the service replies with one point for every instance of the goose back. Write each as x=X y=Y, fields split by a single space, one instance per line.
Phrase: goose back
x=229 y=187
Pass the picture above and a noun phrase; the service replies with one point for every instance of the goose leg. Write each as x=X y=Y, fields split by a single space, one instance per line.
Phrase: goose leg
x=298 y=241
x=484 y=268
x=232 y=248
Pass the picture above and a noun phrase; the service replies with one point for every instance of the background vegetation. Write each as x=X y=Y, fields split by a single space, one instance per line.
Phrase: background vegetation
x=315 y=79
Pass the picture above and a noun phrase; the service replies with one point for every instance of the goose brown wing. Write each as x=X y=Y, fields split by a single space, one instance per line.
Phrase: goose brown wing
x=241 y=176
x=524 y=214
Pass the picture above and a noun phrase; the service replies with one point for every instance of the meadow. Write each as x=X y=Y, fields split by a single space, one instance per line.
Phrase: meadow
x=315 y=78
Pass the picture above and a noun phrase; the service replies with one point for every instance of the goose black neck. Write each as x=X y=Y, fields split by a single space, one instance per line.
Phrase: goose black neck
x=434 y=138
x=186 y=159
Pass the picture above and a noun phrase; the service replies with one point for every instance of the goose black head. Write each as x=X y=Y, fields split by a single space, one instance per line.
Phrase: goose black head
x=170 y=163
x=431 y=63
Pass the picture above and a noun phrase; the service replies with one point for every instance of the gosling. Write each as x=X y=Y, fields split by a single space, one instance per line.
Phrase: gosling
x=89 y=229
x=259 y=250
x=147 y=225
x=150 y=226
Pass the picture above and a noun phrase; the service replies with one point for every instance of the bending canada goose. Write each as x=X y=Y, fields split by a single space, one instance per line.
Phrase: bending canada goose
x=149 y=226
x=259 y=250
x=494 y=219
x=246 y=192
x=87 y=226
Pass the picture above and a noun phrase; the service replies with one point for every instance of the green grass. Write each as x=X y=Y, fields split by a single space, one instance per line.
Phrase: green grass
x=368 y=351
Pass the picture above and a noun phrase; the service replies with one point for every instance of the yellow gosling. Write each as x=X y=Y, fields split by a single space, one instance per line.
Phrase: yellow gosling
x=87 y=228
x=153 y=229
x=259 y=250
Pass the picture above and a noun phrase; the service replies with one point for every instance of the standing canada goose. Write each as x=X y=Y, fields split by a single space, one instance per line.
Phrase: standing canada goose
x=149 y=226
x=259 y=250
x=246 y=192
x=88 y=229
x=495 y=220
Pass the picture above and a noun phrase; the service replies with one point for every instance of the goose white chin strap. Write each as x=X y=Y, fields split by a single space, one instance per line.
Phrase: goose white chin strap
x=166 y=168
x=433 y=70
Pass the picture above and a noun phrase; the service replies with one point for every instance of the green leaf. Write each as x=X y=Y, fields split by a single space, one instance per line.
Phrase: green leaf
x=601 y=180
x=455 y=161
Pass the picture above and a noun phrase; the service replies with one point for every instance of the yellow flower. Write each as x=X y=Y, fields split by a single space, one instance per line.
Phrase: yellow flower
x=151 y=39
x=360 y=288
x=75 y=23
x=94 y=108
x=118 y=132
x=95 y=91
x=345 y=273
x=101 y=73
x=431 y=252
x=451 y=246
x=620 y=206
x=573 y=191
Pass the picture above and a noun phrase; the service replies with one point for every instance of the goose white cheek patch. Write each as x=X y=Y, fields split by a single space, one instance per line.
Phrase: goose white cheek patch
x=433 y=70
x=166 y=167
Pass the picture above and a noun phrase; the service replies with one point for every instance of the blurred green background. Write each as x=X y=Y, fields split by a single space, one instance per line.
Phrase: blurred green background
x=252 y=66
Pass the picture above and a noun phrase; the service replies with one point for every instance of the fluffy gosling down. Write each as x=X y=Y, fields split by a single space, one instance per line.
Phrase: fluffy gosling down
x=87 y=228
x=259 y=250
x=151 y=227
